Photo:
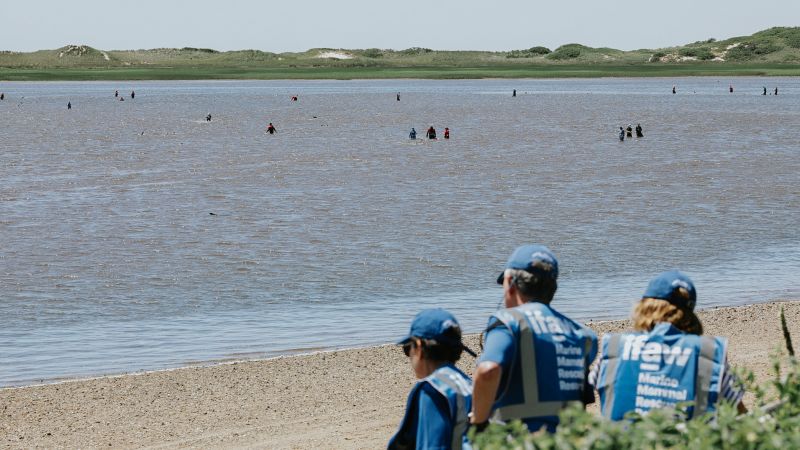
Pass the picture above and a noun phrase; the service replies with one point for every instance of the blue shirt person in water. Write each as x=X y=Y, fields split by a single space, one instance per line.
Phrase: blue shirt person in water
x=535 y=360
x=438 y=406
x=666 y=361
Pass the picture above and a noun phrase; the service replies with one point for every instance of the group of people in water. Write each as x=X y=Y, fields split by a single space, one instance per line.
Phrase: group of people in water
x=430 y=134
x=628 y=132
x=730 y=90
x=535 y=360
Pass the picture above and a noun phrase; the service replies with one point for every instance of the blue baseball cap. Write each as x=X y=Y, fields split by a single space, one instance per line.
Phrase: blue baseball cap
x=665 y=284
x=437 y=325
x=536 y=259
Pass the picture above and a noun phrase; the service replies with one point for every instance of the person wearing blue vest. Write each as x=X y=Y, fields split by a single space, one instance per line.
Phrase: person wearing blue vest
x=667 y=361
x=438 y=406
x=535 y=360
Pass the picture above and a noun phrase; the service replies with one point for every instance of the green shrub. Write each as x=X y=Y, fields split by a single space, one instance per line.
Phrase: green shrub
x=372 y=53
x=529 y=53
x=568 y=51
x=199 y=50
x=792 y=39
x=415 y=51
x=703 y=53
x=771 y=425
x=790 y=35
x=749 y=50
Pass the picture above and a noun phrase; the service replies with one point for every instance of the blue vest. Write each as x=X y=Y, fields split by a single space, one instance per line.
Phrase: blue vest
x=456 y=388
x=552 y=357
x=642 y=371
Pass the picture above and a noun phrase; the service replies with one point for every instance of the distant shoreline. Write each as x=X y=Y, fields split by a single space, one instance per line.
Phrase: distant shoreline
x=509 y=71
x=346 y=399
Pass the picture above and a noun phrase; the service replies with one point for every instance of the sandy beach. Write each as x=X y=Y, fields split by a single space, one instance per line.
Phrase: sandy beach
x=350 y=399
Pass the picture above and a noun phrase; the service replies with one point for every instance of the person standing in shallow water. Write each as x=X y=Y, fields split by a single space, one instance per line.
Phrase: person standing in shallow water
x=765 y=91
x=621 y=134
x=514 y=94
x=447 y=133
x=629 y=131
x=133 y=95
x=413 y=134
x=673 y=89
x=776 y=90
x=639 y=130
x=431 y=133
x=69 y=105
x=271 y=128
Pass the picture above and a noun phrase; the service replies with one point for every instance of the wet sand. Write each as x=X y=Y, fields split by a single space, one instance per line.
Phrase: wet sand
x=349 y=399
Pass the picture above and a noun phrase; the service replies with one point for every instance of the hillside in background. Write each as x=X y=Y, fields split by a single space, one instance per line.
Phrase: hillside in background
x=778 y=46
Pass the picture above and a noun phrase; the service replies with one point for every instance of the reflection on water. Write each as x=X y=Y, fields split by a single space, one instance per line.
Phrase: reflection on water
x=335 y=231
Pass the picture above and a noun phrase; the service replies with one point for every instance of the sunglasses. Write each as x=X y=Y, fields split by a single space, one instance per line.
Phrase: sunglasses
x=407 y=348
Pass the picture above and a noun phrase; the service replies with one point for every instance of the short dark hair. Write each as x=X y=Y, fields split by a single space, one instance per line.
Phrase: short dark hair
x=444 y=352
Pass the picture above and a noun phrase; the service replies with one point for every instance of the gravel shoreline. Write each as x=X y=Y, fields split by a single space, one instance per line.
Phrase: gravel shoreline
x=350 y=399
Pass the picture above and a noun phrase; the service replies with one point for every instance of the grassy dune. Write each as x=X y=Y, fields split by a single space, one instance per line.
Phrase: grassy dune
x=771 y=52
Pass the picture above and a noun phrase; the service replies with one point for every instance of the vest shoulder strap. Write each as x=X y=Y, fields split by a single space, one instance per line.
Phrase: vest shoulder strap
x=705 y=372
x=611 y=361
x=450 y=384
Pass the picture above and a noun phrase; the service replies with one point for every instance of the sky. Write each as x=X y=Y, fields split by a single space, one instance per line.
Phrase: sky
x=299 y=25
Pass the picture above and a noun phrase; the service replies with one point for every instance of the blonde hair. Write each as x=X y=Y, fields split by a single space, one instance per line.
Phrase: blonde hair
x=651 y=311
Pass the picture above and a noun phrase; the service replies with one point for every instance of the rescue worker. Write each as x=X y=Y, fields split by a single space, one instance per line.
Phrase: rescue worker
x=208 y=117
x=438 y=406
x=639 y=130
x=133 y=95
x=621 y=134
x=431 y=133
x=535 y=360
x=271 y=128
x=413 y=134
x=447 y=133
x=667 y=360
x=69 y=105
x=629 y=131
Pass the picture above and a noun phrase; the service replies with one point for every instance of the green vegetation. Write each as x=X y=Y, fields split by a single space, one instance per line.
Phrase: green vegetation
x=775 y=51
x=771 y=425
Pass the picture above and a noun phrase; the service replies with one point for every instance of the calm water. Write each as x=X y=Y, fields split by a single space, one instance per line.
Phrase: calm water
x=337 y=230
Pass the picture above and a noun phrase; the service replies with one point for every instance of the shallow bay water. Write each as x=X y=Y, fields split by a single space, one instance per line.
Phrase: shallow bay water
x=137 y=236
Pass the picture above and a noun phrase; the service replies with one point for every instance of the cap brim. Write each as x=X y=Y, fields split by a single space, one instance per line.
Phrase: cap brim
x=467 y=349
x=500 y=277
x=405 y=340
